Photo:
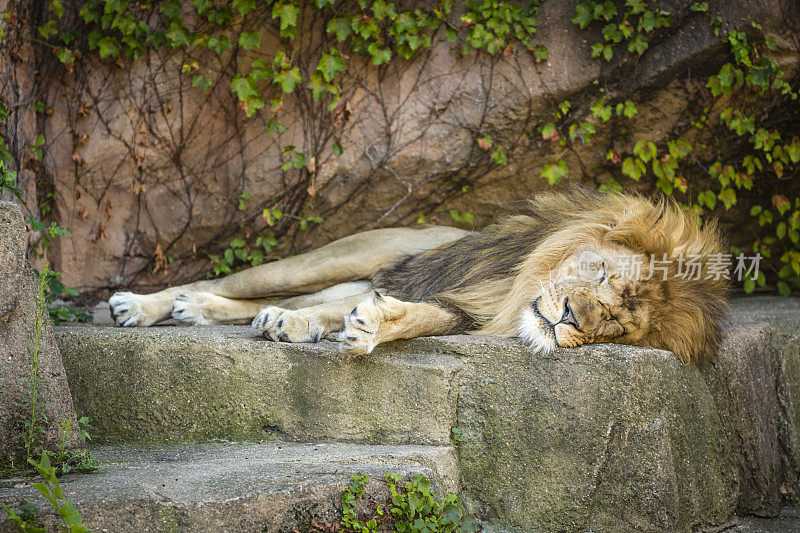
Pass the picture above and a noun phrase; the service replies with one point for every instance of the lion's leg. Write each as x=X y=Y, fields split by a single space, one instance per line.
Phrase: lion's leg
x=378 y=319
x=352 y=258
x=365 y=320
x=202 y=308
x=309 y=324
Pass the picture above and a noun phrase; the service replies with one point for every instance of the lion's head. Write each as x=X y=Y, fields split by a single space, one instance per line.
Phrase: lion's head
x=618 y=269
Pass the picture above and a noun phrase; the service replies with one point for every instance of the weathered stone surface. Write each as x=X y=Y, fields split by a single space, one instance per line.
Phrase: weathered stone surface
x=602 y=438
x=17 y=319
x=278 y=487
x=787 y=522
x=176 y=384
x=742 y=382
x=755 y=382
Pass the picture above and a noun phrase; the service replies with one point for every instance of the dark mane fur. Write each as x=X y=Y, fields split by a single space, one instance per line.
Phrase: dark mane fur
x=488 y=255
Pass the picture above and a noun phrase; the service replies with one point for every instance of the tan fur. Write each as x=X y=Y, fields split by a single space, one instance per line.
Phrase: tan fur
x=517 y=278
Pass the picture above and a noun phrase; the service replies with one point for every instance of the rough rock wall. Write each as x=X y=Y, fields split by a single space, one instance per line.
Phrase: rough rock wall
x=17 y=319
x=147 y=171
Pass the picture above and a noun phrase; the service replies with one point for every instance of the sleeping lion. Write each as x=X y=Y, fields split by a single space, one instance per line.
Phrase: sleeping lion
x=577 y=267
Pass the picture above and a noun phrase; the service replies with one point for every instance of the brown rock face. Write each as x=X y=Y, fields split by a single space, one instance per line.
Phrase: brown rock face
x=147 y=172
x=18 y=289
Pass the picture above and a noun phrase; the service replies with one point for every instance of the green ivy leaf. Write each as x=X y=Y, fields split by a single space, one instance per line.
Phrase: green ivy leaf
x=108 y=47
x=336 y=148
x=379 y=53
x=638 y=44
x=610 y=187
x=48 y=30
x=171 y=9
x=244 y=87
x=627 y=109
x=499 y=156
x=287 y=13
x=288 y=79
x=584 y=14
x=250 y=40
x=707 y=198
x=200 y=81
x=219 y=43
x=780 y=230
x=601 y=110
x=341 y=26
x=274 y=126
x=243 y=6
x=749 y=285
x=646 y=150
x=633 y=168
x=382 y=10
x=555 y=172
x=330 y=64
x=784 y=289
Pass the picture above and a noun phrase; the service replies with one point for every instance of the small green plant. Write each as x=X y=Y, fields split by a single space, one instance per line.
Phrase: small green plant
x=34 y=424
x=458 y=216
x=456 y=438
x=65 y=458
x=411 y=508
x=24 y=517
x=62 y=312
x=51 y=490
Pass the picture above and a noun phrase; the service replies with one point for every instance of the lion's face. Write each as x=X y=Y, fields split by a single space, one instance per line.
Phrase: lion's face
x=595 y=296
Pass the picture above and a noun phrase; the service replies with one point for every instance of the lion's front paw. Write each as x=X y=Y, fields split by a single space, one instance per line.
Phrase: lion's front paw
x=284 y=325
x=360 y=329
x=126 y=310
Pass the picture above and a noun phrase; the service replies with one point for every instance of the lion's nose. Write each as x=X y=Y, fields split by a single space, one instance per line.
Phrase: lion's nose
x=569 y=316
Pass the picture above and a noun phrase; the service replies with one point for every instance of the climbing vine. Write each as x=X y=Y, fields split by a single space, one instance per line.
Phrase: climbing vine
x=694 y=166
x=378 y=30
x=264 y=42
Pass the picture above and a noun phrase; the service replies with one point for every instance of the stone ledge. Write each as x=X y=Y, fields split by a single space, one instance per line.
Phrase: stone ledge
x=167 y=384
x=230 y=487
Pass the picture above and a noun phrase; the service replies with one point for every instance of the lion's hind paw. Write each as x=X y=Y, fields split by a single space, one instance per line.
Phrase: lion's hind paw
x=284 y=325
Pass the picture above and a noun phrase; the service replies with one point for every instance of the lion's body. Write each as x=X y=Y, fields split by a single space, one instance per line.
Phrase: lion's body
x=512 y=279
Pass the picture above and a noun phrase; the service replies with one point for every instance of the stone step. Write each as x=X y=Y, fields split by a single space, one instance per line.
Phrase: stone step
x=230 y=487
x=166 y=384
x=603 y=437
